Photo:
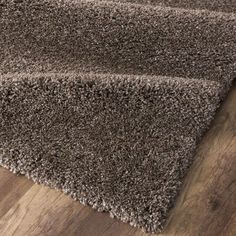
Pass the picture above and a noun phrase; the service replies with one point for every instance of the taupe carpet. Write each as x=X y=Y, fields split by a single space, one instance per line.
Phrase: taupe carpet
x=107 y=100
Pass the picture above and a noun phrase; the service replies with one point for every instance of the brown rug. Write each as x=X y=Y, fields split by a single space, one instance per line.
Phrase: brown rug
x=107 y=100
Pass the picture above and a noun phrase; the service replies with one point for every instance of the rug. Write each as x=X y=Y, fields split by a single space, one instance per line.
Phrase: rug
x=108 y=100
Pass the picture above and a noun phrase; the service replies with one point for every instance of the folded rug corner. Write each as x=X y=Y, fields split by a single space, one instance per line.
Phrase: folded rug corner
x=108 y=100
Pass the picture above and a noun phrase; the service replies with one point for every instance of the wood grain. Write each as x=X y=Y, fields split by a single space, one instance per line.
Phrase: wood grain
x=207 y=204
x=205 y=207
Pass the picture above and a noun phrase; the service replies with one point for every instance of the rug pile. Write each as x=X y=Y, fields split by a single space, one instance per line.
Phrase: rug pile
x=108 y=100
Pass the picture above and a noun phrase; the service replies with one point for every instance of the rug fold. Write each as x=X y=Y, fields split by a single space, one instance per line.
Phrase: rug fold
x=108 y=100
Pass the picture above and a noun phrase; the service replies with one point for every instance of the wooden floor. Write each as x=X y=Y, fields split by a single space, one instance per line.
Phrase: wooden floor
x=206 y=206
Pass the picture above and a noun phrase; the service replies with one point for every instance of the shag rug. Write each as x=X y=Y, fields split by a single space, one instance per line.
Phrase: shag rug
x=108 y=100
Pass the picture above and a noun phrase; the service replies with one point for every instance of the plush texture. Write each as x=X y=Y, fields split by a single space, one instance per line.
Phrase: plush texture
x=108 y=100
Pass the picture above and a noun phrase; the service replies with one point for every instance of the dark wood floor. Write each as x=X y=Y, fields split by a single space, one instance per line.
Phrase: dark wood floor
x=206 y=206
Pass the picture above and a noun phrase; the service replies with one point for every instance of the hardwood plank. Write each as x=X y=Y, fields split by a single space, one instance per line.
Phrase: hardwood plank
x=41 y=209
x=206 y=205
x=38 y=212
x=208 y=200
x=230 y=228
x=12 y=188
